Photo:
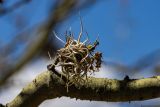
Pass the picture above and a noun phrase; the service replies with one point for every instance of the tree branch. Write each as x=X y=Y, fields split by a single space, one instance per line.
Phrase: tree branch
x=55 y=17
x=49 y=85
x=4 y=11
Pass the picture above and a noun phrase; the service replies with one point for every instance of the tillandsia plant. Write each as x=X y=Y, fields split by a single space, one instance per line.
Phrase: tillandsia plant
x=78 y=59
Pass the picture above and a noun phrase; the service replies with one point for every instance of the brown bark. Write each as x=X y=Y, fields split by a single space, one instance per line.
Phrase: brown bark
x=49 y=85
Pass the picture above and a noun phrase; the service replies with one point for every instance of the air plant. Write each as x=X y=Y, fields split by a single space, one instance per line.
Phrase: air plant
x=77 y=59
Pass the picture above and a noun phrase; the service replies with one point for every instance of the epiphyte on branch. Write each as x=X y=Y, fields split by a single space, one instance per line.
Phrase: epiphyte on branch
x=78 y=59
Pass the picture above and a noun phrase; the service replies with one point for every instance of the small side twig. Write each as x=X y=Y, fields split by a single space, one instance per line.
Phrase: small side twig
x=51 y=67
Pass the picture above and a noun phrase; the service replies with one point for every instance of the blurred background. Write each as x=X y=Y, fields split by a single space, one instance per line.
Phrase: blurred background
x=128 y=32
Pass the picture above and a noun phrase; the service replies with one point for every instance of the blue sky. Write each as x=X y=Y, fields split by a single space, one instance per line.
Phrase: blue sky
x=127 y=29
x=127 y=32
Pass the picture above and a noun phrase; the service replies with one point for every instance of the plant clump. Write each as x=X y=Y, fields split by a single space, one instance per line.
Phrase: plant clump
x=78 y=59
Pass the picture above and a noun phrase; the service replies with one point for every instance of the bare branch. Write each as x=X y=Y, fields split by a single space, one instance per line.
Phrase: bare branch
x=49 y=85
x=56 y=16
x=4 y=11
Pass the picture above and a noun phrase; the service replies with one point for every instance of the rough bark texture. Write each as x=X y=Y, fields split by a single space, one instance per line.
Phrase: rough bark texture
x=49 y=85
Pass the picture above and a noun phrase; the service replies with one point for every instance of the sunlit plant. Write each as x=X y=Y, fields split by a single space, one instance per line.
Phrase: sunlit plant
x=77 y=59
